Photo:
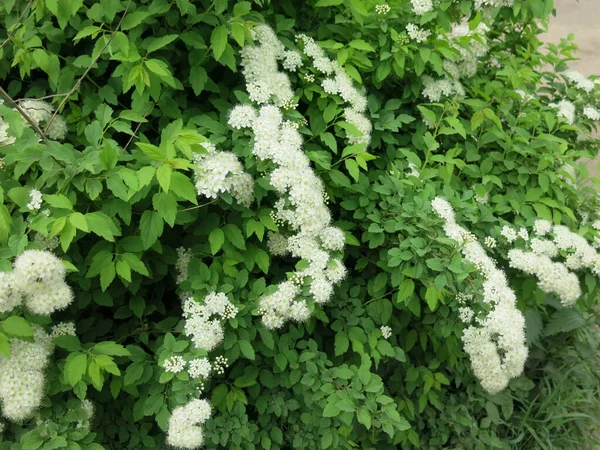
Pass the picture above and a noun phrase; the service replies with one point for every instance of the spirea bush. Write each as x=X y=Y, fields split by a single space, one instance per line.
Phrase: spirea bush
x=318 y=224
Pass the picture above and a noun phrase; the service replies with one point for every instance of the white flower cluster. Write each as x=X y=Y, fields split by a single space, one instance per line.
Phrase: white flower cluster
x=40 y=111
x=184 y=430
x=382 y=9
x=421 y=7
x=465 y=66
x=184 y=255
x=217 y=172
x=264 y=82
x=591 y=113
x=480 y=4
x=553 y=276
x=434 y=90
x=302 y=203
x=417 y=33
x=490 y=242
x=340 y=83
x=22 y=375
x=220 y=364
x=465 y=314
x=201 y=327
x=38 y=280
x=199 y=368
x=35 y=200
x=566 y=109
x=414 y=171
x=497 y=346
x=580 y=80
x=5 y=139
x=542 y=227
x=386 y=331
x=174 y=364
x=524 y=95
x=581 y=254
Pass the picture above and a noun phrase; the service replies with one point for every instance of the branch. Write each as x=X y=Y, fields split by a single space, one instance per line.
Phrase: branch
x=14 y=27
x=89 y=68
x=31 y=122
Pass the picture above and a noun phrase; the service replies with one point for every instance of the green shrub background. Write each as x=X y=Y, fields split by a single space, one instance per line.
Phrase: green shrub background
x=168 y=71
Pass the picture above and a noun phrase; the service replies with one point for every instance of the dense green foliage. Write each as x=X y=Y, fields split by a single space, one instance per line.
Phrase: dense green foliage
x=167 y=73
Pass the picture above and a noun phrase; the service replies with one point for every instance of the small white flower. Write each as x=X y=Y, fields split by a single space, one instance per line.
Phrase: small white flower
x=35 y=200
x=386 y=331
x=509 y=233
x=421 y=7
x=382 y=9
x=591 y=113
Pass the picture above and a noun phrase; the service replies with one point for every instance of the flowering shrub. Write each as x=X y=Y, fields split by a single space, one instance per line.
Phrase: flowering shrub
x=324 y=224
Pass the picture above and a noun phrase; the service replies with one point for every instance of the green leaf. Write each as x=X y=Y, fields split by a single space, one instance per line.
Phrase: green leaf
x=431 y=296
x=133 y=373
x=183 y=187
x=218 y=41
x=151 y=228
x=235 y=236
x=241 y=9
x=102 y=225
x=17 y=326
x=563 y=321
x=163 y=175
x=364 y=417
x=324 y=3
x=246 y=349
x=330 y=410
x=107 y=275
x=58 y=201
x=75 y=368
x=158 y=43
x=110 y=348
x=216 y=239
x=78 y=220
x=341 y=343
x=68 y=342
x=405 y=290
x=5 y=223
x=135 y=263
x=151 y=151
x=238 y=32
x=4 y=345
x=166 y=206
x=123 y=270
x=359 y=44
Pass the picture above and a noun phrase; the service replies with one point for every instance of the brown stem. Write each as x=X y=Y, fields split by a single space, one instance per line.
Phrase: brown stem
x=14 y=27
x=31 y=122
x=89 y=68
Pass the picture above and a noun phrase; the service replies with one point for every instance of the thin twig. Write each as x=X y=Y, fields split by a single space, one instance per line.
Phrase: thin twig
x=89 y=68
x=32 y=122
x=14 y=27
x=198 y=206
x=132 y=136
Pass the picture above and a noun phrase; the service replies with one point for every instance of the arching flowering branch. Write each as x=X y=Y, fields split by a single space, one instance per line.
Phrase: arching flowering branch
x=302 y=204
x=496 y=345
